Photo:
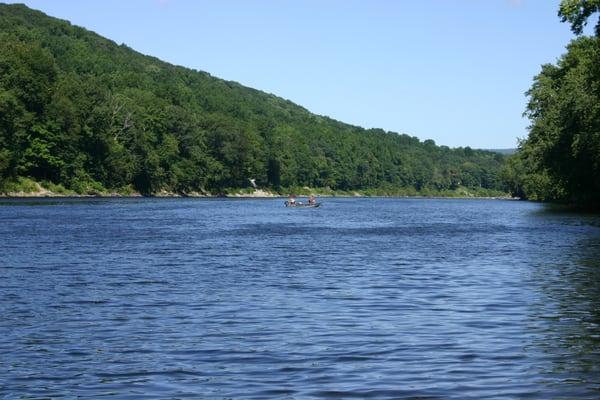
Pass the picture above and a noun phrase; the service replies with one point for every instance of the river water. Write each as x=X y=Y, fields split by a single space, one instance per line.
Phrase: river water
x=361 y=298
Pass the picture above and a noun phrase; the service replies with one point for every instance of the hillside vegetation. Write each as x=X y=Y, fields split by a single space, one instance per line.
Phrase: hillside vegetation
x=79 y=111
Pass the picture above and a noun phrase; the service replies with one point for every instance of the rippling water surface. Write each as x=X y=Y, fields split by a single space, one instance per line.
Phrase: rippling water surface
x=361 y=298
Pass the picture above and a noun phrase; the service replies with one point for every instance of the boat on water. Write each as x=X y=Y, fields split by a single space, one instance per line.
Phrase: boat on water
x=300 y=204
x=312 y=202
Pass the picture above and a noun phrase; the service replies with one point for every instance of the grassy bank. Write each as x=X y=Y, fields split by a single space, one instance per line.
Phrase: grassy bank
x=27 y=187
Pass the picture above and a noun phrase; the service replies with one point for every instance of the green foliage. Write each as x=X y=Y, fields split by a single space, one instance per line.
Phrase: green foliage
x=58 y=189
x=19 y=184
x=560 y=160
x=577 y=12
x=78 y=110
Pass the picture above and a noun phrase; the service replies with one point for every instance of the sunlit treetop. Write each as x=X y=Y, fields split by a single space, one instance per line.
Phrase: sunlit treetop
x=577 y=13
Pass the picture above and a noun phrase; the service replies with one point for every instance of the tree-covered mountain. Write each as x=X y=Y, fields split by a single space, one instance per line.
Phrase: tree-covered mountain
x=77 y=109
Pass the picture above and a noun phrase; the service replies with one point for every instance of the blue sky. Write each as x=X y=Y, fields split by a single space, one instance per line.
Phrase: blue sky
x=450 y=70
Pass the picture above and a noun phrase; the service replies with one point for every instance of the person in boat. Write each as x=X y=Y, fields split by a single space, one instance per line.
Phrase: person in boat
x=312 y=200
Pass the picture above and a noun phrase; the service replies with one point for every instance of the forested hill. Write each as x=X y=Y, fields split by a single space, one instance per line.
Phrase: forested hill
x=78 y=110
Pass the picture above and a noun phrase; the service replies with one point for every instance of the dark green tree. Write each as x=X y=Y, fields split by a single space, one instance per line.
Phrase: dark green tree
x=577 y=13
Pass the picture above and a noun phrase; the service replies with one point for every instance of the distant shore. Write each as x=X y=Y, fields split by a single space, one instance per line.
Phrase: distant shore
x=27 y=188
x=258 y=194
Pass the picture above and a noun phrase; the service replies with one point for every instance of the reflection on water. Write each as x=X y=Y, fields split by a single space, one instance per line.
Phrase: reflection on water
x=366 y=298
x=570 y=300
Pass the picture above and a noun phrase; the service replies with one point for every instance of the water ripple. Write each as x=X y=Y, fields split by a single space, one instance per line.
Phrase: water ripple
x=361 y=298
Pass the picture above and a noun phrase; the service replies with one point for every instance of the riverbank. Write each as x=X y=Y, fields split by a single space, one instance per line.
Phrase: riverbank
x=27 y=188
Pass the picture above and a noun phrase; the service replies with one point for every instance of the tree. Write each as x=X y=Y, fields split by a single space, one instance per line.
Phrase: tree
x=560 y=159
x=562 y=152
x=577 y=12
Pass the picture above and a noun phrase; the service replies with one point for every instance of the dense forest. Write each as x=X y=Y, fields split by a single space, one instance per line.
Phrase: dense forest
x=80 y=111
x=560 y=159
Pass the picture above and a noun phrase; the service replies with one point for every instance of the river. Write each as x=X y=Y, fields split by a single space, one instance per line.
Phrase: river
x=244 y=298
